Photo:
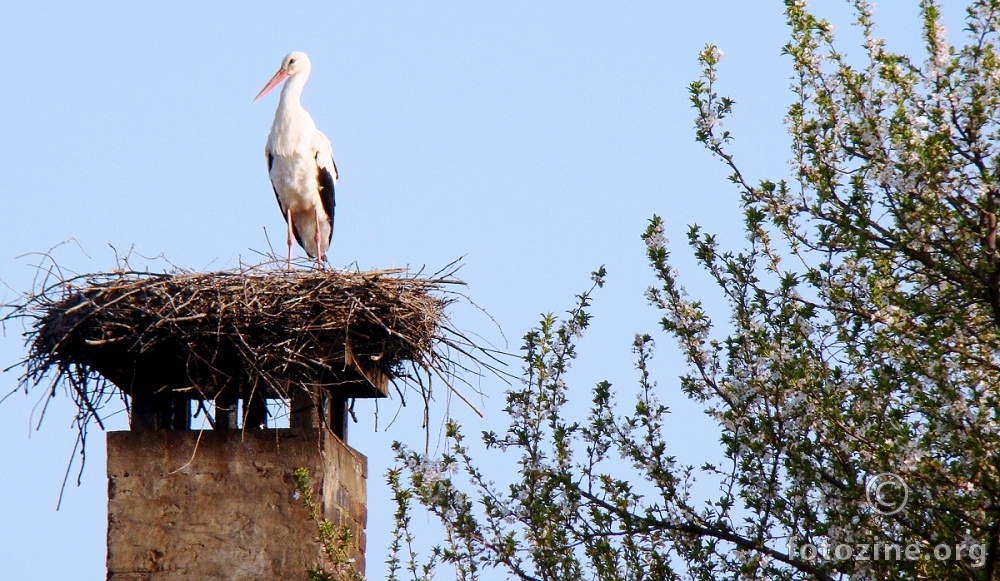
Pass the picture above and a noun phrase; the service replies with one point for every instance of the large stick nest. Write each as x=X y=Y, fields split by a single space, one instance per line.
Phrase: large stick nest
x=207 y=334
x=211 y=332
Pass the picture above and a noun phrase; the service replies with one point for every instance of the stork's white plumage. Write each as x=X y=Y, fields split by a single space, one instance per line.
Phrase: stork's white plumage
x=300 y=163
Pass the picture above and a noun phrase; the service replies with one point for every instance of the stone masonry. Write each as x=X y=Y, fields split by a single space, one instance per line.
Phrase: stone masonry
x=222 y=505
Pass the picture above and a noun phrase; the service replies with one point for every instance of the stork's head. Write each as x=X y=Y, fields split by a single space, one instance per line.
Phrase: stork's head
x=295 y=63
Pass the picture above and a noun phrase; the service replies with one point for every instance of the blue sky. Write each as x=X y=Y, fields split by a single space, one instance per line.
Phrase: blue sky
x=534 y=139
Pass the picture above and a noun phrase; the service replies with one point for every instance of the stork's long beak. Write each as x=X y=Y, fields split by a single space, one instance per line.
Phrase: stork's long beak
x=279 y=76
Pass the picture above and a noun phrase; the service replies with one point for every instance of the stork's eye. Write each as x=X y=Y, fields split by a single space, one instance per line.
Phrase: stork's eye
x=291 y=62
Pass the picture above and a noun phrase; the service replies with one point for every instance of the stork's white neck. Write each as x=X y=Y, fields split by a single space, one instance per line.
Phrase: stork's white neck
x=291 y=93
x=293 y=127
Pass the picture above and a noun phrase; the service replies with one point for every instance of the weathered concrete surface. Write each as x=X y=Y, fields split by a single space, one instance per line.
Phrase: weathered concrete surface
x=227 y=510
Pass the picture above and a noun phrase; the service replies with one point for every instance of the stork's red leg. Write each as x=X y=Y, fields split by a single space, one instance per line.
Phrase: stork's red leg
x=290 y=239
x=319 y=248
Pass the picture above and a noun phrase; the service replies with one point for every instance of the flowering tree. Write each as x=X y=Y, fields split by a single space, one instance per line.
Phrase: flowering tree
x=857 y=393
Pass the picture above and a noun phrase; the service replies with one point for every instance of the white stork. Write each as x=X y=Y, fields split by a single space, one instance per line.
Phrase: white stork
x=300 y=163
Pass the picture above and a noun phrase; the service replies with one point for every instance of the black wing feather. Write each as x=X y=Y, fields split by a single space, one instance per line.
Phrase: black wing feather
x=270 y=162
x=327 y=195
